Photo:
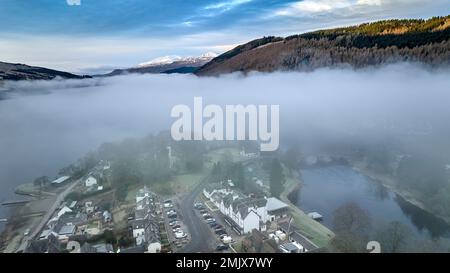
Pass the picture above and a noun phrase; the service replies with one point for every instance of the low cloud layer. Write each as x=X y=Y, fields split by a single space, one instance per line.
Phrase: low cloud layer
x=47 y=125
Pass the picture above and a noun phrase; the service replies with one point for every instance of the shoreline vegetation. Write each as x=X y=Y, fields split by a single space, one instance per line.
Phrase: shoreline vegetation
x=389 y=183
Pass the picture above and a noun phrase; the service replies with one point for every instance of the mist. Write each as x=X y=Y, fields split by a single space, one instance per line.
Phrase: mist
x=46 y=125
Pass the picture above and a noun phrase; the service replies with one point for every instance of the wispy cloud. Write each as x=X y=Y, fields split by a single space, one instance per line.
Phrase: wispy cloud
x=226 y=5
x=349 y=7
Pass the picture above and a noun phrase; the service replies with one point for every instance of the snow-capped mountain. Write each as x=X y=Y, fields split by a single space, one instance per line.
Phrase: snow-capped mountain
x=164 y=60
x=168 y=64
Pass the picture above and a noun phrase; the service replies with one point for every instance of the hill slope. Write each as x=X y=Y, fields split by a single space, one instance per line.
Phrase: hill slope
x=426 y=41
x=15 y=72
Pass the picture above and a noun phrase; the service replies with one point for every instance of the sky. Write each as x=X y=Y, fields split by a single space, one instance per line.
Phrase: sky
x=89 y=36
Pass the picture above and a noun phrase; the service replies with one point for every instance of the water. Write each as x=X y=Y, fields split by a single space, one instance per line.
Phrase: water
x=327 y=188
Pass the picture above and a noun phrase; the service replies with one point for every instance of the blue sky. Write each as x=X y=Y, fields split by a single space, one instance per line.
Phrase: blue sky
x=103 y=34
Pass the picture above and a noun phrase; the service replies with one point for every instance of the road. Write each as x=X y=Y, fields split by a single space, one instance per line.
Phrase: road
x=198 y=230
x=46 y=217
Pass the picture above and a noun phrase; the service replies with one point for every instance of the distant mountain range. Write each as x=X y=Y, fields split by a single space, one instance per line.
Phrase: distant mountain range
x=369 y=44
x=10 y=71
x=425 y=41
x=168 y=64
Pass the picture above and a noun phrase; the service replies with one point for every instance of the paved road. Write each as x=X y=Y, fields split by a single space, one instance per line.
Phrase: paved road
x=198 y=230
x=46 y=217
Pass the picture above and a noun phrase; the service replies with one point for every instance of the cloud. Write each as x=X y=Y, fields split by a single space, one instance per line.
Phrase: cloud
x=226 y=5
x=346 y=7
x=324 y=105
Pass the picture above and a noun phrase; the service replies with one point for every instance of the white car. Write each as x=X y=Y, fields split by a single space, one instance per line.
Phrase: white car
x=180 y=234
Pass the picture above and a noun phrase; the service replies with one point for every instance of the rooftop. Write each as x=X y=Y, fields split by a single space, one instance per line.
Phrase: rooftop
x=61 y=179
x=275 y=204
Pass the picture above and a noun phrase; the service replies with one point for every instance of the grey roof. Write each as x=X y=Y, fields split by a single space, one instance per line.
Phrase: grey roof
x=49 y=245
x=103 y=248
x=297 y=236
x=139 y=223
x=135 y=249
x=87 y=248
x=243 y=205
x=289 y=247
x=275 y=204
x=60 y=180
x=67 y=230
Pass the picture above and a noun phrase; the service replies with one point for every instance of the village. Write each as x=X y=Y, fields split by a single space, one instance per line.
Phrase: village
x=213 y=216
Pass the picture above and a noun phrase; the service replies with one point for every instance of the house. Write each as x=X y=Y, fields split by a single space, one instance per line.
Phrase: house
x=276 y=209
x=107 y=216
x=291 y=247
x=103 y=248
x=90 y=181
x=61 y=180
x=49 y=245
x=73 y=204
x=295 y=236
x=138 y=227
x=45 y=234
x=63 y=211
x=143 y=193
x=145 y=226
x=65 y=231
x=134 y=249
x=89 y=207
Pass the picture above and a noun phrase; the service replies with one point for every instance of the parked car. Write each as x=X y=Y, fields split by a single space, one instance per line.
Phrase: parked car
x=176 y=226
x=203 y=211
x=180 y=234
x=207 y=217
x=199 y=206
x=173 y=222
x=220 y=231
x=226 y=239
x=172 y=216
x=212 y=224
x=210 y=220
x=222 y=247
x=176 y=229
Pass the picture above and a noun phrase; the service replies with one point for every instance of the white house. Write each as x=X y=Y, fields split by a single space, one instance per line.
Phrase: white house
x=91 y=181
x=245 y=213
x=63 y=211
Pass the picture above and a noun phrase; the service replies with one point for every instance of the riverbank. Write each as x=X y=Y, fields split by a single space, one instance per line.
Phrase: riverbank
x=319 y=234
x=390 y=183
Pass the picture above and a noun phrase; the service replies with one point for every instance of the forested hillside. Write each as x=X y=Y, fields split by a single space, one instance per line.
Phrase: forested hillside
x=425 y=41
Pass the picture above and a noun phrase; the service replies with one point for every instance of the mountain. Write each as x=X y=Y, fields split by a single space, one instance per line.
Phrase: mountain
x=15 y=72
x=426 y=41
x=168 y=64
